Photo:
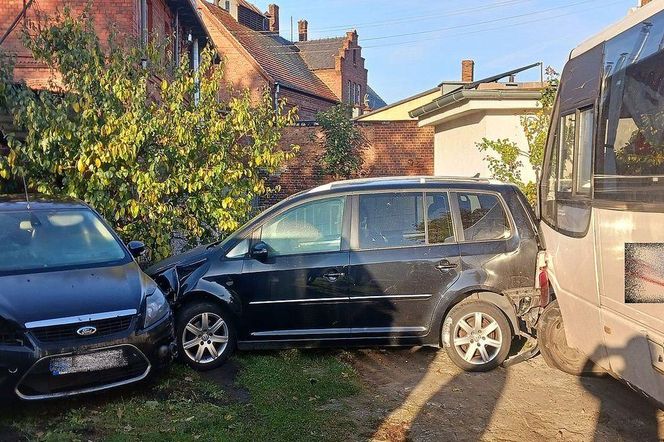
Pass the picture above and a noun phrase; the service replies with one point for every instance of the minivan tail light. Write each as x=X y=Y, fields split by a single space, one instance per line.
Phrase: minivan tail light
x=544 y=287
x=542 y=280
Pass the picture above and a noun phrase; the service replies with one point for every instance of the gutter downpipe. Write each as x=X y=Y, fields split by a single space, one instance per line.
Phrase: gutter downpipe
x=176 y=50
x=144 y=23
x=195 y=60
x=276 y=96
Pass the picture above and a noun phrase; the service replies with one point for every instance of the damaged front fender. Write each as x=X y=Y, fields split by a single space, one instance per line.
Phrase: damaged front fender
x=186 y=283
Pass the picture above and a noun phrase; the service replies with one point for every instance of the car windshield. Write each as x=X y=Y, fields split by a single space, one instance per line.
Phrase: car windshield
x=48 y=239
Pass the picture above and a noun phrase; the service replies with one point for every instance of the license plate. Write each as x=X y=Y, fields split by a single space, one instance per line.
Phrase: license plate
x=101 y=360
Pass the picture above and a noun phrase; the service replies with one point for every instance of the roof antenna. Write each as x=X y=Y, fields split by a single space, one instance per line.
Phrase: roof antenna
x=25 y=188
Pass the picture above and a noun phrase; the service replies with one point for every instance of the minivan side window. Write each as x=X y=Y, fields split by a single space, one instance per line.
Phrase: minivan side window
x=312 y=227
x=391 y=220
x=483 y=217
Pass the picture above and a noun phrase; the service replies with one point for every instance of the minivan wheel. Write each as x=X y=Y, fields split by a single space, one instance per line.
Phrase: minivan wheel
x=477 y=336
x=205 y=335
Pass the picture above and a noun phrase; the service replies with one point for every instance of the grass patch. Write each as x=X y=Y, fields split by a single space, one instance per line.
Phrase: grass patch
x=293 y=396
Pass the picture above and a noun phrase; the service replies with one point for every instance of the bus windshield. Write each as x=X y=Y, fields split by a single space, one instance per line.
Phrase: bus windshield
x=629 y=156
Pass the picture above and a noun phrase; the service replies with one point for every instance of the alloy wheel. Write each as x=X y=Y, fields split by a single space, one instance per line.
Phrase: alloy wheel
x=477 y=338
x=205 y=338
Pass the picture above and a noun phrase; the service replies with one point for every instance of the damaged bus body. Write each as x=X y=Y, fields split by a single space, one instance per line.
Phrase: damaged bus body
x=602 y=207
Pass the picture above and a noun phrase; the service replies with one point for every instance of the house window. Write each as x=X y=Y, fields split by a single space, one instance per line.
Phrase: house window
x=350 y=92
x=354 y=56
x=359 y=94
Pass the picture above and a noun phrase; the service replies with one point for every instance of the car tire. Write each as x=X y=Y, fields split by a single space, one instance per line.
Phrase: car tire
x=474 y=348
x=205 y=334
x=554 y=348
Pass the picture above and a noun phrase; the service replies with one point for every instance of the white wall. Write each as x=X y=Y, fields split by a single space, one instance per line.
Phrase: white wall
x=455 y=150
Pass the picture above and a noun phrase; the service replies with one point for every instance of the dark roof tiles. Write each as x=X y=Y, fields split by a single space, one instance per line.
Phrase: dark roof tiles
x=320 y=54
x=278 y=57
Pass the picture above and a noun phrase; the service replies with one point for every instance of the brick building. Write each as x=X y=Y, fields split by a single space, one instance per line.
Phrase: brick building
x=312 y=75
x=135 y=20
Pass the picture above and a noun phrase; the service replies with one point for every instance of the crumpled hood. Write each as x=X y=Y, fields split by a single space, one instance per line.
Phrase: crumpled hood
x=49 y=295
x=194 y=255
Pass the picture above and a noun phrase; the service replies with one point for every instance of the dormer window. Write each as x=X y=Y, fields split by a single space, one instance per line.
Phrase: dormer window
x=227 y=5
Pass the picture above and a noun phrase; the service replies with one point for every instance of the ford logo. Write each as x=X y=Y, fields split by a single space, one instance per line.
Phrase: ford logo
x=86 y=331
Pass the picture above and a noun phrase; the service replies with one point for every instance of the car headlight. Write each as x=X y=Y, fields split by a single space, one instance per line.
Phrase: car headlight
x=156 y=307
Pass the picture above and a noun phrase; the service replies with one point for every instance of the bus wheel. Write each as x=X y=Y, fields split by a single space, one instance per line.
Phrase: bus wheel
x=554 y=348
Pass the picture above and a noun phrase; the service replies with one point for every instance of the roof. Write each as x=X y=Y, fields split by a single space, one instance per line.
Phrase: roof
x=495 y=78
x=458 y=96
x=250 y=6
x=274 y=54
x=397 y=103
x=38 y=202
x=320 y=54
x=375 y=102
x=634 y=18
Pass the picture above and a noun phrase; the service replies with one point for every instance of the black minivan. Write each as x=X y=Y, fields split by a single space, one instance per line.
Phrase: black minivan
x=387 y=261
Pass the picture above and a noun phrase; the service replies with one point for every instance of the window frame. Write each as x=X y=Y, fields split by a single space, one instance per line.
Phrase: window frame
x=255 y=234
x=454 y=203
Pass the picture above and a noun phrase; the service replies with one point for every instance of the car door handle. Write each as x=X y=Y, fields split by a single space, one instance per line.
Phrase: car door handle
x=333 y=276
x=446 y=265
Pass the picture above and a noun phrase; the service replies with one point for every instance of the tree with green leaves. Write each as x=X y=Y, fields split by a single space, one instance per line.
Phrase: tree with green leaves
x=343 y=142
x=131 y=141
x=506 y=159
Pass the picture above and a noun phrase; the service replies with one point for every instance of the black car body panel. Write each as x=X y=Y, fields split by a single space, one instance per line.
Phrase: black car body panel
x=359 y=296
x=61 y=315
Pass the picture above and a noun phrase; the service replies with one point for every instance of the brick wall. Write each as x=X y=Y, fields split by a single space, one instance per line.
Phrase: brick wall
x=121 y=15
x=393 y=148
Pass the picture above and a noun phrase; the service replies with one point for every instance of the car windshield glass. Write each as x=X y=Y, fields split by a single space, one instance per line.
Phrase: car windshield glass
x=44 y=239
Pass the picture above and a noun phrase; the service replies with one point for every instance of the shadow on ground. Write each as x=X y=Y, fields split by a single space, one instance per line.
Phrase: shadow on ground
x=419 y=394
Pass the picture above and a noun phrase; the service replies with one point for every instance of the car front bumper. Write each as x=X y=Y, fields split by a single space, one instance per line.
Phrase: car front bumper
x=27 y=371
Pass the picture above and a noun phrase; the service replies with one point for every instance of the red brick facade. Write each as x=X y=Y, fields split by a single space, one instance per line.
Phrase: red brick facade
x=348 y=79
x=394 y=148
x=121 y=15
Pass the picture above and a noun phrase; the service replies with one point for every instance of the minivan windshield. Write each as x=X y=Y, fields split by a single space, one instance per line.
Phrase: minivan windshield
x=51 y=239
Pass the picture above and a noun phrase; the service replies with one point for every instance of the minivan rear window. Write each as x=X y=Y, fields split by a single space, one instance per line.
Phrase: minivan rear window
x=482 y=217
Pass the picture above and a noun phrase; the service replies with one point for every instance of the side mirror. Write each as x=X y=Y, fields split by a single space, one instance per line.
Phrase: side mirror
x=259 y=251
x=136 y=248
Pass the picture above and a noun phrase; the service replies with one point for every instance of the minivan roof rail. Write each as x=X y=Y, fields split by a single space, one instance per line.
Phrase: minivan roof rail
x=422 y=179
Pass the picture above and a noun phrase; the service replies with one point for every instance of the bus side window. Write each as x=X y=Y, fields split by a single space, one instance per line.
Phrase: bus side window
x=584 y=154
x=566 y=164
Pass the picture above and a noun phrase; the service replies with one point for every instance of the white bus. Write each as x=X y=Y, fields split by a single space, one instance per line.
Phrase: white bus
x=601 y=207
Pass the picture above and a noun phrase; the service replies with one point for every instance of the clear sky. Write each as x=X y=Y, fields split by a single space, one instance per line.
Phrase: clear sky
x=410 y=46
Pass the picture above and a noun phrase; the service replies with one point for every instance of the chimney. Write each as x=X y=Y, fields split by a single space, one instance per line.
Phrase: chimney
x=467 y=71
x=273 y=18
x=302 y=27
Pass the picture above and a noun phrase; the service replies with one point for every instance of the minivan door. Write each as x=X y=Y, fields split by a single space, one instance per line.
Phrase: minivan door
x=403 y=258
x=298 y=290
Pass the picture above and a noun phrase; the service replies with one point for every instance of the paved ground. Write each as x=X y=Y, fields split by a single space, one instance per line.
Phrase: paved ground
x=420 y=395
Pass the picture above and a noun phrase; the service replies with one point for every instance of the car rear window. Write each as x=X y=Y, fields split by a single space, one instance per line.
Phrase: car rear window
x=52 y=239
x=483 y=217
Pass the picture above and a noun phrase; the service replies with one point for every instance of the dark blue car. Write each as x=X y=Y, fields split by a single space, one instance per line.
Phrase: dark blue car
x=77 y=314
